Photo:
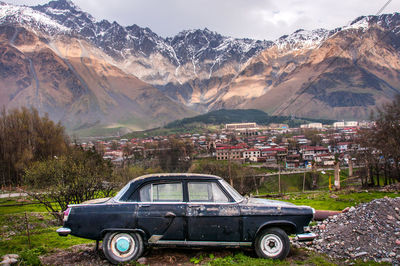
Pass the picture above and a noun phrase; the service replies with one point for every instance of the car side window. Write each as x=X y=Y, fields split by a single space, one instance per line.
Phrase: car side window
x=163 y=192
x=206 y=192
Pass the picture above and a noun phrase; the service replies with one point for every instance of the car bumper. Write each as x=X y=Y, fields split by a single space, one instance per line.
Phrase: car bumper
x=63 y=231
x=306 y=237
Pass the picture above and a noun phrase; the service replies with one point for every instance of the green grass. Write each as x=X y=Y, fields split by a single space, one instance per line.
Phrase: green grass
x=325 y=200
x=294 y=182
x=21 y=208
x=46 y=239
x=310 y=258
x=42 y=227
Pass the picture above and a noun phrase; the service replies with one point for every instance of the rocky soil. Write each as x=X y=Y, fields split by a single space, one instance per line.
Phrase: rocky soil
x=87 y=255
x=370 y=231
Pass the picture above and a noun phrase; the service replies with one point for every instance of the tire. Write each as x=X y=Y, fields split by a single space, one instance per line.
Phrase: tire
x=272 y=243
x=121 y=247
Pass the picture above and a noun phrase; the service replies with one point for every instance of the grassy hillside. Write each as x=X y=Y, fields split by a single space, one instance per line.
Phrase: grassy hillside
x=226 y=116
x=210 y=122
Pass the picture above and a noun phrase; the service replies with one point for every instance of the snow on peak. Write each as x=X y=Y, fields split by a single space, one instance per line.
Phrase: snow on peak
x=302 y=39
x=359 y=23
x=64 y=5
x=27 y=16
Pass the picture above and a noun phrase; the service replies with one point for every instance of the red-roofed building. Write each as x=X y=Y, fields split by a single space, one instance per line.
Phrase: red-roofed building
x=230 y=152
x=280 y=152
x=309 y=152
x=293 y=161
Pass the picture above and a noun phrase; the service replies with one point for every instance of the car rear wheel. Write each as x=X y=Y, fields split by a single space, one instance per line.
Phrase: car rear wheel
x=121 y=247
x=272 y=243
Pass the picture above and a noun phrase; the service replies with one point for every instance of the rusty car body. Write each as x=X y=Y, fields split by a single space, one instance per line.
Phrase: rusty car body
x=186 y=210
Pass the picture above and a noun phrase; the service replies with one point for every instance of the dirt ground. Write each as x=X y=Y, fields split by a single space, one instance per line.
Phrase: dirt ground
x=87 y=255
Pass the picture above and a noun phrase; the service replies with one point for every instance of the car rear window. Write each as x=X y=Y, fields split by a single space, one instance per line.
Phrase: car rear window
x=164 y=192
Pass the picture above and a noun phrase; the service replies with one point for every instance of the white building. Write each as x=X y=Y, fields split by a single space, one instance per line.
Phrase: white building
x=251 y=153
x=338 y=125
x=350 y=123
x=345 y=124
x=315 y=125
x=311 y=125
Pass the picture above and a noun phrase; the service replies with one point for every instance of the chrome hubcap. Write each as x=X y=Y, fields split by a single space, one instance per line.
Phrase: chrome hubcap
x=122 y=245
x=271 y=245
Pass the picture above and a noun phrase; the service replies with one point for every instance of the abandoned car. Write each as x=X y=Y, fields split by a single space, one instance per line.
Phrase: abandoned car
x=186 y=210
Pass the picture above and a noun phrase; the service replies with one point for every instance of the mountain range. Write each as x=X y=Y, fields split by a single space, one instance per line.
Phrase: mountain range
x=97 y=76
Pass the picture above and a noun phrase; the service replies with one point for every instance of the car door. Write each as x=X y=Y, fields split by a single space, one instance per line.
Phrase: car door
x=211 y=214
x=161 y=211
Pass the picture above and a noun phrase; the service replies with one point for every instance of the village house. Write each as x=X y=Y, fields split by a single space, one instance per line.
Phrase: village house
x=229 y=152
x=342 y=147
x=272 y=155
x=251 y=154
x=293 y=161
x=325 y=159
x=309 y=152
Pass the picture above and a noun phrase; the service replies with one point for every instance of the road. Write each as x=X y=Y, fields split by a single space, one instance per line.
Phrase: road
x=12 y=195
x=294 y=172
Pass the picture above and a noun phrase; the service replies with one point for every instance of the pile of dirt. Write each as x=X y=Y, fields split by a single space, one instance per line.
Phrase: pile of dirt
x=370 y=231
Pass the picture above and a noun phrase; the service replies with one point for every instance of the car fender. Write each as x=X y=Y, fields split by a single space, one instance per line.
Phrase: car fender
x=287 y=226
x=135 y=230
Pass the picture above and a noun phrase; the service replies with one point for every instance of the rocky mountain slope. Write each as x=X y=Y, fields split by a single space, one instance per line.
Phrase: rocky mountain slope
x=343 y=74
x=50 y=67
x=91 y=73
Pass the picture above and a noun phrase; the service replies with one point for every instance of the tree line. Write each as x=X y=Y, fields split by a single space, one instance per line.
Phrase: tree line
x=26 y=137
x=379 y=146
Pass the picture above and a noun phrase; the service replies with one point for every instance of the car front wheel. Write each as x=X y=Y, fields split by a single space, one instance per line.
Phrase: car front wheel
x=121 y=247
x=272 y=243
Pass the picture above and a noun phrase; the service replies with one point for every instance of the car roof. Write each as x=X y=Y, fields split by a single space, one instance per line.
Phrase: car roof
x=170 y=176
x=173 y=176
x=137 y=182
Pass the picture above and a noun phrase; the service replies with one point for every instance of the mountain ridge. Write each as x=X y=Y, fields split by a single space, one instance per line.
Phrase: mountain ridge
x=196 y=70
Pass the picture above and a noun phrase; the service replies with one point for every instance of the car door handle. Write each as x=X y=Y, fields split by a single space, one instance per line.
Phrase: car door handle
x=194 y=206
x=170 y=215
x=144 y=205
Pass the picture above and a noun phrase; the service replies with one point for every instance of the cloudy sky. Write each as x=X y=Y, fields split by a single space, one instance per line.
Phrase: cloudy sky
x=259 y=19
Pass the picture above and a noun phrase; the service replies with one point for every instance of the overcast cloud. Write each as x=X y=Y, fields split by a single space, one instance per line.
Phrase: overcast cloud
x=259 y=19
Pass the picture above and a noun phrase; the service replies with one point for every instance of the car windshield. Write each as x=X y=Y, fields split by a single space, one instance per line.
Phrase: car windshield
x=236 y=196
x=122 y=191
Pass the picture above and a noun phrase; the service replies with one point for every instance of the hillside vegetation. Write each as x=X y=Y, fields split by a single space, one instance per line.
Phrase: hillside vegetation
x=226 y=116
x=210 y=121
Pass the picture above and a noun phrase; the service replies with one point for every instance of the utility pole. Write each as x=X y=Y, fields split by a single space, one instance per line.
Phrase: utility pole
x=279 y=178
x=350 y=167
x=255 y=184
x=229 y=166
x=337 y=175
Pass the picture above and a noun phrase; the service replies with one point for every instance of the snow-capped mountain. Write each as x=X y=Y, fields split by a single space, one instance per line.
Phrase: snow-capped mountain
x=302 y=39
x=306 y=72
x=122 y=42
x=342 y=73
x=22 y=15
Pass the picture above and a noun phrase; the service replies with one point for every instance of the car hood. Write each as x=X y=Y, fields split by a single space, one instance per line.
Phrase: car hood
x=254 y=206
x=256 y=201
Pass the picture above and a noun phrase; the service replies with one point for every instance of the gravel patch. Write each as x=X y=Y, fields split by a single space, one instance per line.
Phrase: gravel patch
x=370 y=231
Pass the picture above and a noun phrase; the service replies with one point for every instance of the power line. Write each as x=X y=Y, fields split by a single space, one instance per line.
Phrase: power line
x=383 y=8
x=331 y=63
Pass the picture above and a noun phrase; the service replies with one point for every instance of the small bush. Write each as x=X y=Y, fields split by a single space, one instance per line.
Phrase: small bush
x=31 y=256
